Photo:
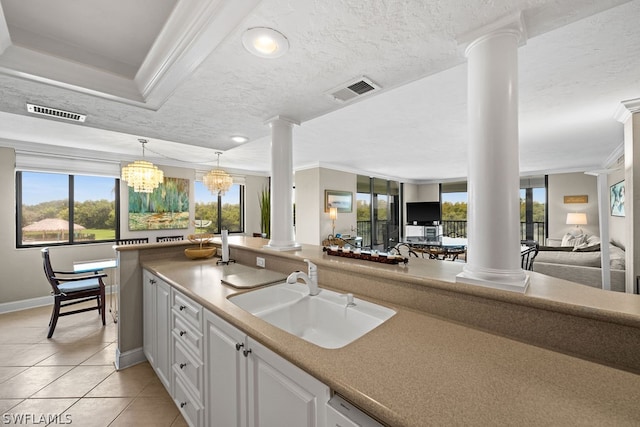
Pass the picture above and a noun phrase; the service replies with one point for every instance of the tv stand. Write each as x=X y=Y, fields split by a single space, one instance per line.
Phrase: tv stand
x=423 y=233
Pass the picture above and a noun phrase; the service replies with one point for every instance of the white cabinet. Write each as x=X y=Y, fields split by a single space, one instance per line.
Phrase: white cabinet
x=156 y=303
x=225 y=373
x=249 y=385
x=282 y=394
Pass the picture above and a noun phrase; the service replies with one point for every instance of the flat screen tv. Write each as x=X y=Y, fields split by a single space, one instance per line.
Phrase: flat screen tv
x=423 y=213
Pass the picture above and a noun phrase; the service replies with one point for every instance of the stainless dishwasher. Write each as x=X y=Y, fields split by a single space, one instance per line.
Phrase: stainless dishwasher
x=341 y=413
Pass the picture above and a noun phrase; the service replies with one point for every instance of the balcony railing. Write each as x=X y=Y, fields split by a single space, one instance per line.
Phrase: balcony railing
x=449 y=228
x=459 y=229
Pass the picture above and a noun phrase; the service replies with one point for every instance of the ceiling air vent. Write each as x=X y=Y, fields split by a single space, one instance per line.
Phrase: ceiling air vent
x=54 y=112
x=353 y=89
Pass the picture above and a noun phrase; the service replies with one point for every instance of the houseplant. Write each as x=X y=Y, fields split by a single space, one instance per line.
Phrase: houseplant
x=264 y=200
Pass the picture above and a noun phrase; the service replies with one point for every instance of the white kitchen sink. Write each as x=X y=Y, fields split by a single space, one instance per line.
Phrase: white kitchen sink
x=324 y=319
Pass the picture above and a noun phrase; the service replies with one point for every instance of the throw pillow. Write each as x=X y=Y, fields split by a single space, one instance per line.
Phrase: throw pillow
x=580 y=242
x=568 y=240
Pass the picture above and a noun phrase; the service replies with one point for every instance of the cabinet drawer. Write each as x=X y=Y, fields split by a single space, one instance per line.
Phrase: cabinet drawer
x=189 y=368
x=188 y=309
x=186 y=334
x=191 y=409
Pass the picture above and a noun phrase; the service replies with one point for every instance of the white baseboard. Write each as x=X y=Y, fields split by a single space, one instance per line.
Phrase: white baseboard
x=129 y=358
x=8 y=307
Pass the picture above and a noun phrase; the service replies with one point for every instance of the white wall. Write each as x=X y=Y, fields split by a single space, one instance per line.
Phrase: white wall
x=312 y=222
x=23 y=276
x=428 y=193
x=307 y=206
x=340 y=181
x=572 y=184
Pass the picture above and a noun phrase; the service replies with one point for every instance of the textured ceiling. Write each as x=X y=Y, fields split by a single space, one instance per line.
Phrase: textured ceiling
x=580 y=60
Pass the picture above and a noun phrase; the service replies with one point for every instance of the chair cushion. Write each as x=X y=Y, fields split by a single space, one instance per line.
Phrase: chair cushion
x=79 y=285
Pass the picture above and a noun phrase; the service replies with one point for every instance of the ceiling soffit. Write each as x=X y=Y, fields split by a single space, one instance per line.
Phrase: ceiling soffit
x=192 y=31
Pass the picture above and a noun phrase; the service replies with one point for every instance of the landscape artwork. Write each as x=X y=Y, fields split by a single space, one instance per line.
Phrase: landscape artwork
x=342 y=200
x=166 y=208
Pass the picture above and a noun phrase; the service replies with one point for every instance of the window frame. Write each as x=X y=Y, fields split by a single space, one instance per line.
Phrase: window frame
x=218 y=220
x=70 y=207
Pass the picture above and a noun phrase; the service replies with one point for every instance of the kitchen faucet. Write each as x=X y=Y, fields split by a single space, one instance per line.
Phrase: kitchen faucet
x=311 y=278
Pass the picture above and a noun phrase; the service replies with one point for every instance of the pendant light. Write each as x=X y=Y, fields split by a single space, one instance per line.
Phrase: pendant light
x=143 y=176
x=217 y=180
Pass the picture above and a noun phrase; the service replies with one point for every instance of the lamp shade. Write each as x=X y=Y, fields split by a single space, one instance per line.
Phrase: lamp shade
x=333 y=213
x=142 y=176
x=576 y=218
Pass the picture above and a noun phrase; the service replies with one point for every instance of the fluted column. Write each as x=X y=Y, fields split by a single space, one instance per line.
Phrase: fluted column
x=282 y=235
x=493 y=253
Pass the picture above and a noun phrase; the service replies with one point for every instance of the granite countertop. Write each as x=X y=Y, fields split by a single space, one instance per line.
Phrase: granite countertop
x=417 y=369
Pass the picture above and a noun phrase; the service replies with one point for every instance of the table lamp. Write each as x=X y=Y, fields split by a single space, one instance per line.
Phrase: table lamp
x=333 y=214
x=577 y=218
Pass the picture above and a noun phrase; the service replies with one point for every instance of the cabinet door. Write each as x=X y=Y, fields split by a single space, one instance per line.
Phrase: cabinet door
x=163 y=333
x=149 y=315
x=225 y=374
x=281 y=394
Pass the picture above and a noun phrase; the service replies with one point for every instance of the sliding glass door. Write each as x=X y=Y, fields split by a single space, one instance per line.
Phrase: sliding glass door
x=378 y=213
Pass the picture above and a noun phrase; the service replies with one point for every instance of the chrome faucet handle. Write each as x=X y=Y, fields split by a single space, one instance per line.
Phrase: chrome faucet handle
x=350 y=299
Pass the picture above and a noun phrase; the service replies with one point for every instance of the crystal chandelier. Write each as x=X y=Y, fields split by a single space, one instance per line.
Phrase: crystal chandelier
x=217 y=180
x=143 y=176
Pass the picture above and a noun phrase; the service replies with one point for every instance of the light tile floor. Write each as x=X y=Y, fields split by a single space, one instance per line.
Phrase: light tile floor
x=71 y=378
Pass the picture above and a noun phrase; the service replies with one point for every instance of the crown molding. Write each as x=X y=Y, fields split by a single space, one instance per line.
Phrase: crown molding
x=513 y=23
x=625 y=109
x=193 y=31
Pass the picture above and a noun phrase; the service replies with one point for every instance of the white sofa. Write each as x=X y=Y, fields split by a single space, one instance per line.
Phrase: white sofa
x=578 y=260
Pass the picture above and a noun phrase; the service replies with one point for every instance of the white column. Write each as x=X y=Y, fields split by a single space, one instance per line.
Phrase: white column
x=282 y=236
x=629 y=114
x=493 y=253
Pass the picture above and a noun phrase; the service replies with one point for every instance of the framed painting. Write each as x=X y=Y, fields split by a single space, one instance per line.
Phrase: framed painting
x=616 y=198
x=166 y=208
x=342 y=200
x=576 y=199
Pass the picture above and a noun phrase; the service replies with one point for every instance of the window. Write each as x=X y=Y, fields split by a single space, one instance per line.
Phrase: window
x=377 y=202
x=59 y=209
x=215 y=213
x=454 y=199
x=533 y=208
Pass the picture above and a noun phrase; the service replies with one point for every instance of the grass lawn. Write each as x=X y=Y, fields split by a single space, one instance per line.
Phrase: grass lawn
x=100 y=233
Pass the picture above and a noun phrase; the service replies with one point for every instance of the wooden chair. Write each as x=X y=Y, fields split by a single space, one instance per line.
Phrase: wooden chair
x=135 y=241
x=169 y=238
x=70 y=288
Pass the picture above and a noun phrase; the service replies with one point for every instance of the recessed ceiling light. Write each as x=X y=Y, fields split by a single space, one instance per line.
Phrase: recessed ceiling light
x=239 y=139
x=265 y=42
